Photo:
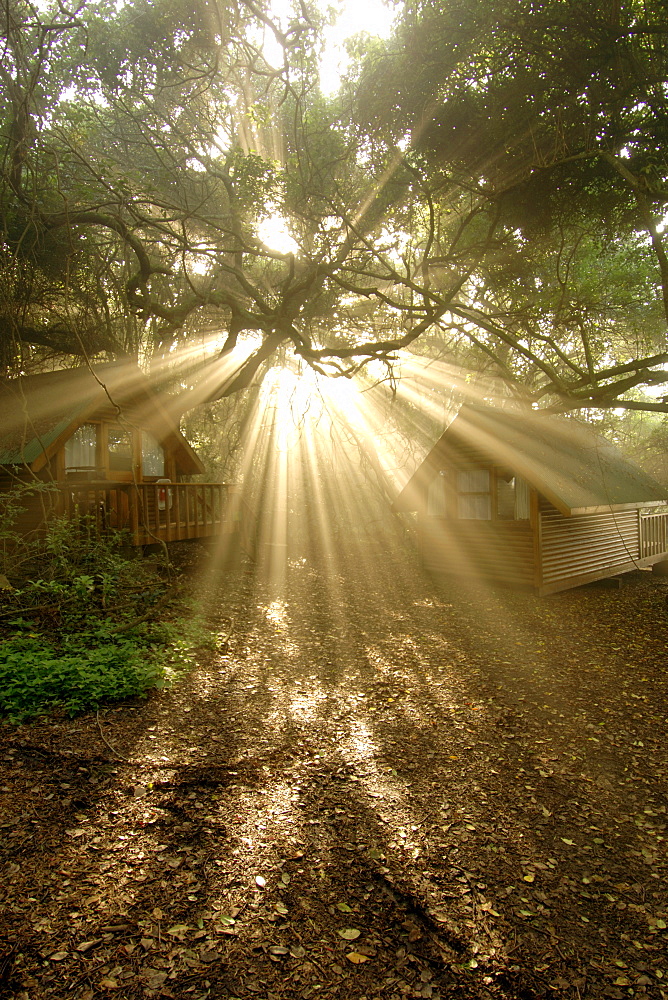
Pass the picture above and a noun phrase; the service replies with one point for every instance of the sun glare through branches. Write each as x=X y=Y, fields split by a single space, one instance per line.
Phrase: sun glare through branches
x=322 y=458
x=372 y=17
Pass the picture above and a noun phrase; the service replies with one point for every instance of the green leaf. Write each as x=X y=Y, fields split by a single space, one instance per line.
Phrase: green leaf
x=179 y=930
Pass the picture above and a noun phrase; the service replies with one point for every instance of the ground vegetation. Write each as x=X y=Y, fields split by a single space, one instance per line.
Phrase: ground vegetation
x=83 y=620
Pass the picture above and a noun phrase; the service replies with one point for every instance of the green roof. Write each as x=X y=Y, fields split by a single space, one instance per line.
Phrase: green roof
x=575 y=468
x=37 y=410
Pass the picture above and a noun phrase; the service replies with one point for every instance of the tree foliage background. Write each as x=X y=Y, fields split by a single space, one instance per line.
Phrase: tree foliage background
x=487 y=190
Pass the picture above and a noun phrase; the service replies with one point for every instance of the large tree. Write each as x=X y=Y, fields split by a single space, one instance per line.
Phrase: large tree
x=484 y=189
x=551 y=117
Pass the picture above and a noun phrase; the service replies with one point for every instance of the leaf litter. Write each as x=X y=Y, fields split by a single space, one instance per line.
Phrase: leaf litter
x=478 y=777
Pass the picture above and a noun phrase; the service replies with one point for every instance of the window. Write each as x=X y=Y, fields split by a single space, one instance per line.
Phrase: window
x=152 y=456
x=505 y=498
x=437 y=501
x=119 y=443
x=81 y=448
x=474 y=495
x=512 y=498
x=522 y=500
x=492 y=494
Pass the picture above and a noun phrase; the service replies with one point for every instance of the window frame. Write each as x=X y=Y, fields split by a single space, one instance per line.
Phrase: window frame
x=155 y=444
x=72 y=470
x=461 y=496
x=454 y=496
x=102 y=470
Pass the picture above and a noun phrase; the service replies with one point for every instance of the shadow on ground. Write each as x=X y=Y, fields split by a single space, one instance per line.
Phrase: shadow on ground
x=387 y=786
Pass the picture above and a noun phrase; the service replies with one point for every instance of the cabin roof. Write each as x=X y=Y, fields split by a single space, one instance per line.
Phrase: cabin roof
x=39 y=412
x=571 y=465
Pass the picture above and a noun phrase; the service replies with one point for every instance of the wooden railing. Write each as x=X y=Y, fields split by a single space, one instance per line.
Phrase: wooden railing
x=153 y=512
x=653 y=534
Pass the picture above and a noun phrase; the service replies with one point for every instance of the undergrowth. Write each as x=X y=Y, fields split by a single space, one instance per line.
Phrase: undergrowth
x=83 y=624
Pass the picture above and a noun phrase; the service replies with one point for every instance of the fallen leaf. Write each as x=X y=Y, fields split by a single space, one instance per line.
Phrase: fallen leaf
x=349 y=933
x=86 y=945
x=365 y=949
x=356 y=958
x=343 y=907
x=154 y=978
x=179 y=930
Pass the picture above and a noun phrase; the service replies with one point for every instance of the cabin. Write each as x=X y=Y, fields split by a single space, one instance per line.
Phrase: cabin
x=535 y=501
x=109 y=446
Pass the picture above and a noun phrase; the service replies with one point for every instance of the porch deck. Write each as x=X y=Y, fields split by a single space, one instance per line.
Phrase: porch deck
x=153 y=513
x=653 y=535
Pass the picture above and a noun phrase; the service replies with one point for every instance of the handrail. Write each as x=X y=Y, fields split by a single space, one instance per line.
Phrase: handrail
x=155 y=512
x=653 y=533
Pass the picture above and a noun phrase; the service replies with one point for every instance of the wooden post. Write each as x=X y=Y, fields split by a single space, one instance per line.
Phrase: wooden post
x=189 y=509
x=536 y=522
x=169 y=497
x=177 y=510
x=133 y=511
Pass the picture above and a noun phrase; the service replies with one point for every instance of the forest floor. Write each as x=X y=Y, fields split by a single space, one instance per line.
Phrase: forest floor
x=382 y=786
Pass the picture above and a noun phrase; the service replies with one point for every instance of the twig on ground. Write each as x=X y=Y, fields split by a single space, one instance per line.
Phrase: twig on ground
x=414 y=907
x=311 y=959
x=90 y=971
x=106 y=741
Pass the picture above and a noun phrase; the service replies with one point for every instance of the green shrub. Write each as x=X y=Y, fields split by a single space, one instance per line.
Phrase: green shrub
x=83 y=670
x=93 y=627
x=35 y=676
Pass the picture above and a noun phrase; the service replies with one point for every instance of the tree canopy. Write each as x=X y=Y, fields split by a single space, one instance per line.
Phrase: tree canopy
x=487 y=188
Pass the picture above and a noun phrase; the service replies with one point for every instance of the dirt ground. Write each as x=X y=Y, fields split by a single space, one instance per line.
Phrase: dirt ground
x=382 y=786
